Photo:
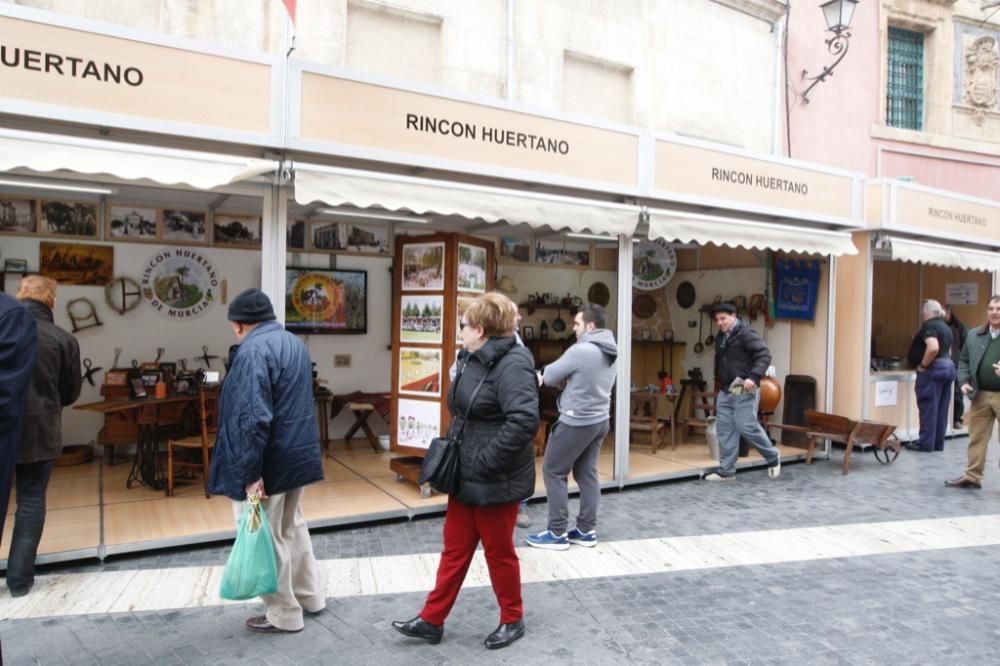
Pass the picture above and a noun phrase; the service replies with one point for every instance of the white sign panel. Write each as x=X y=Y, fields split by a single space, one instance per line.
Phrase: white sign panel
x=886 y=394
x=961 y=293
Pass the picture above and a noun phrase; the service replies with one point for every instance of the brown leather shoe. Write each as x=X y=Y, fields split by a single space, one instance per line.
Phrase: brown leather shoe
x=261 y=625
x=962 y=482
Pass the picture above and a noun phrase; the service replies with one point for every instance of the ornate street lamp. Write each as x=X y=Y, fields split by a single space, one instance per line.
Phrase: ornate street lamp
x=838 y=14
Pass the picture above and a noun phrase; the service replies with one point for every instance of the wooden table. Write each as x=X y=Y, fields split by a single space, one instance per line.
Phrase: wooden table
x=145 y=413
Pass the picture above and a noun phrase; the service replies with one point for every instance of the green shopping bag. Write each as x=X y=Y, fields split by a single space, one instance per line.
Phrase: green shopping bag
x=251 y=570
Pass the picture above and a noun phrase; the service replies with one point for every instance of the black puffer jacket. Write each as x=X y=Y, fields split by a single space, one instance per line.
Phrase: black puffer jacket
x=55 y=384
x=498 y=460
x=743 y=353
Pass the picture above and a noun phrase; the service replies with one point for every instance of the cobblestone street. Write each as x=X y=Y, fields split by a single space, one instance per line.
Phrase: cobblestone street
x=927 y=603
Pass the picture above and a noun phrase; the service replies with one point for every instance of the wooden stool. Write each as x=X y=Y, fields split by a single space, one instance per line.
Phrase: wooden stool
x=362 y=410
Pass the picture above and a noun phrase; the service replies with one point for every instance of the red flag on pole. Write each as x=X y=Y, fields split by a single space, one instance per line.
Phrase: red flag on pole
x=290 y=6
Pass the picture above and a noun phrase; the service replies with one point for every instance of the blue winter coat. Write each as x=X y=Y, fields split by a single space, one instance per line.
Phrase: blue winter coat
x=18 y=345
x=267 y=417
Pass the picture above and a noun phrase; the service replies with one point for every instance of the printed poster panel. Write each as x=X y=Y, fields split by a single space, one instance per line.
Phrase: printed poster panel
x=420 y=371
x=418 y=422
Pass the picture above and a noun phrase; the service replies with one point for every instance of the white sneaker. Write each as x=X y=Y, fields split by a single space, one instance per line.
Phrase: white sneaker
x=775 y=472
x=715 y=476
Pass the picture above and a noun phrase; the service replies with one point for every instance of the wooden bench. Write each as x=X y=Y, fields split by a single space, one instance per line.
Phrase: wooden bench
x=822 y=426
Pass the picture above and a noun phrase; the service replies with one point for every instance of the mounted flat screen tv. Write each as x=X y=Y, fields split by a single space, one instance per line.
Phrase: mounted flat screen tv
x=323 y=300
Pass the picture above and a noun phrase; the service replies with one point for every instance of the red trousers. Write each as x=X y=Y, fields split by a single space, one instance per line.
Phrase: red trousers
x=464 y=527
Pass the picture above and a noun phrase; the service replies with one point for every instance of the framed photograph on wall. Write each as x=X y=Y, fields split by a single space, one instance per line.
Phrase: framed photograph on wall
x=566 y=254
x=423 y=267
x=131 y=223
x=421 y=318
x=319 y=300
x=367 y=239
x=72 y=219
x=185 y=226
x=420 y=371
x=472 y=268
x=513 y=250
x=295 y=235
x=241 y=231
x=76 y=263
x=18 y=215
x=417 y=422
x=326 y=236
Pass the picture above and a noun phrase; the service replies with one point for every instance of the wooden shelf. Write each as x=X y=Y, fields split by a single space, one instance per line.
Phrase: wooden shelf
x=531 y=307
x=658 y=342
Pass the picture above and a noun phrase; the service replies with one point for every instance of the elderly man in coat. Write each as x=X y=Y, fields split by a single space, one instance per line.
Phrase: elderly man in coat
x=18 y=344
x=268 y=444
x=55 y=384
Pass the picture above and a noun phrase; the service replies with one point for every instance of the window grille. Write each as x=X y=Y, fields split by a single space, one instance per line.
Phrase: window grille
x=905 y=98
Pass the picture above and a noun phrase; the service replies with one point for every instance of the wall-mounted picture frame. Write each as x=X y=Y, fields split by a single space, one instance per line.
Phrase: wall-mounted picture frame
x=76 y=263
x=420 y=371
x=18 y=215
x=238 y=231
x=134 y=224
x=423 y=267
x=68 y=219
x=472 y=268
x=15 y=265
x=370 y=239
x=421 y=318
x=319 y=300
x=295 y=235
x=184 y=227
x=461 y=304
x=326 y=236
x=513 y=250
x=417 y=422
x=564 y=254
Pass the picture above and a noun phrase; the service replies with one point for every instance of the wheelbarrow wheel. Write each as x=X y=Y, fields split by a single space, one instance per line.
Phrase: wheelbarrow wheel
x=887 y=454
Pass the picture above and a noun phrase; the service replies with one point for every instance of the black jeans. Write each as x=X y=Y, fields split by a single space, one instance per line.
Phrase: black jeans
x=31 y=481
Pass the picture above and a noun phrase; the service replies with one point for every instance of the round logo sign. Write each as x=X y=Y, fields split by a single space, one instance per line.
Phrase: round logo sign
x=318 y=298
x=179 y=283
x=653 y=264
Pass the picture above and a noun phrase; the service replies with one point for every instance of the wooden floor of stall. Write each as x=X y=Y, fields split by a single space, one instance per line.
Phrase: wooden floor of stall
x=92 y=514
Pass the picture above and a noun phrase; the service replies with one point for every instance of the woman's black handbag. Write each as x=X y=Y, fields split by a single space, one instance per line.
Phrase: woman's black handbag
x=441 y=467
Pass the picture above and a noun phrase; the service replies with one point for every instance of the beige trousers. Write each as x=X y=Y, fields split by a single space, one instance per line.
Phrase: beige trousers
x=983 y=413
x=300 y=585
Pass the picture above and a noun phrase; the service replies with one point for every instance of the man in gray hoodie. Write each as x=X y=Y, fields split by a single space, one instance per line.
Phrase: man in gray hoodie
x=587 y=373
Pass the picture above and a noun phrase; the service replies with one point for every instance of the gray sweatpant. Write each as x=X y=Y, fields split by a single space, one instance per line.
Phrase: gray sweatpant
x=573 y=448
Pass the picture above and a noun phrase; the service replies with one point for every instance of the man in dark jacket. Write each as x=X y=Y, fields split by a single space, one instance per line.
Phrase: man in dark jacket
x=741 y=359
x=18 y=344
x=268 y=444
x=55 y=384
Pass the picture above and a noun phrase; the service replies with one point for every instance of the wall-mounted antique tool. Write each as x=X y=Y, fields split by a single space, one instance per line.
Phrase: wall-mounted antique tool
x=122 y=294
x=82 y=314
x=89 y=371
x=206 y=357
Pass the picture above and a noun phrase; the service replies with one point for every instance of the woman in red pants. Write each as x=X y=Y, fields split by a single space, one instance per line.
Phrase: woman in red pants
x=497 y=468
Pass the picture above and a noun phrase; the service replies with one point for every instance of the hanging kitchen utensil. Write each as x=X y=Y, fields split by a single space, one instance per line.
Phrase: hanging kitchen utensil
x=710 y=340
x=558 y=325
x=644 y=306
x=685 y=294
x=756 y=306
x=698 y=346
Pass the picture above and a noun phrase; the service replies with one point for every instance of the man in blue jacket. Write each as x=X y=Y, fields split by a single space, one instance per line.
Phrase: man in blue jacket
x=268 y=444
x=18 y=344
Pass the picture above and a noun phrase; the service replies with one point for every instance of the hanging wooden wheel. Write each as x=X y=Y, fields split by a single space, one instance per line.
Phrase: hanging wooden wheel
x=122 y=294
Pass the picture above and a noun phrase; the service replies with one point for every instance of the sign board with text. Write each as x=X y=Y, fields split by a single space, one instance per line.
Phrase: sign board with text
x=934 y=213
x=702 y=173
x=367 y=119
x=53 y=67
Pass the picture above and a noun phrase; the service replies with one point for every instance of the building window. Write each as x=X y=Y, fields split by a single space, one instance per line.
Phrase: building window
x=905 y=99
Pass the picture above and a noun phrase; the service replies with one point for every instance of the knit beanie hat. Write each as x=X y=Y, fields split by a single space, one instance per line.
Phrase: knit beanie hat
x=251 y=307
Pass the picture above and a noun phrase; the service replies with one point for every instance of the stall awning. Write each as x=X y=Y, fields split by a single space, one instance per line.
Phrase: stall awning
x=49 y=152
x=693 y=228
x=335 y=187
x=904 y=249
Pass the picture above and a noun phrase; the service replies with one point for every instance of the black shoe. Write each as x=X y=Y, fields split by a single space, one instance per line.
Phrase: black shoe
x=504 y=635
x=261 y=625
x=962 y=482
x=913 y=446
x=418 y=628
x=17 y=591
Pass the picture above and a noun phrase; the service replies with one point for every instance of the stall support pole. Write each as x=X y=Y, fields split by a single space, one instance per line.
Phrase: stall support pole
x=622 y=386
x=272 y=252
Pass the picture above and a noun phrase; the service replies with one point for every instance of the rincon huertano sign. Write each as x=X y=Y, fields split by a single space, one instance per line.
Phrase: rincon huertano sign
x=64 y=69
x=721 y=177
x=179 y=283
